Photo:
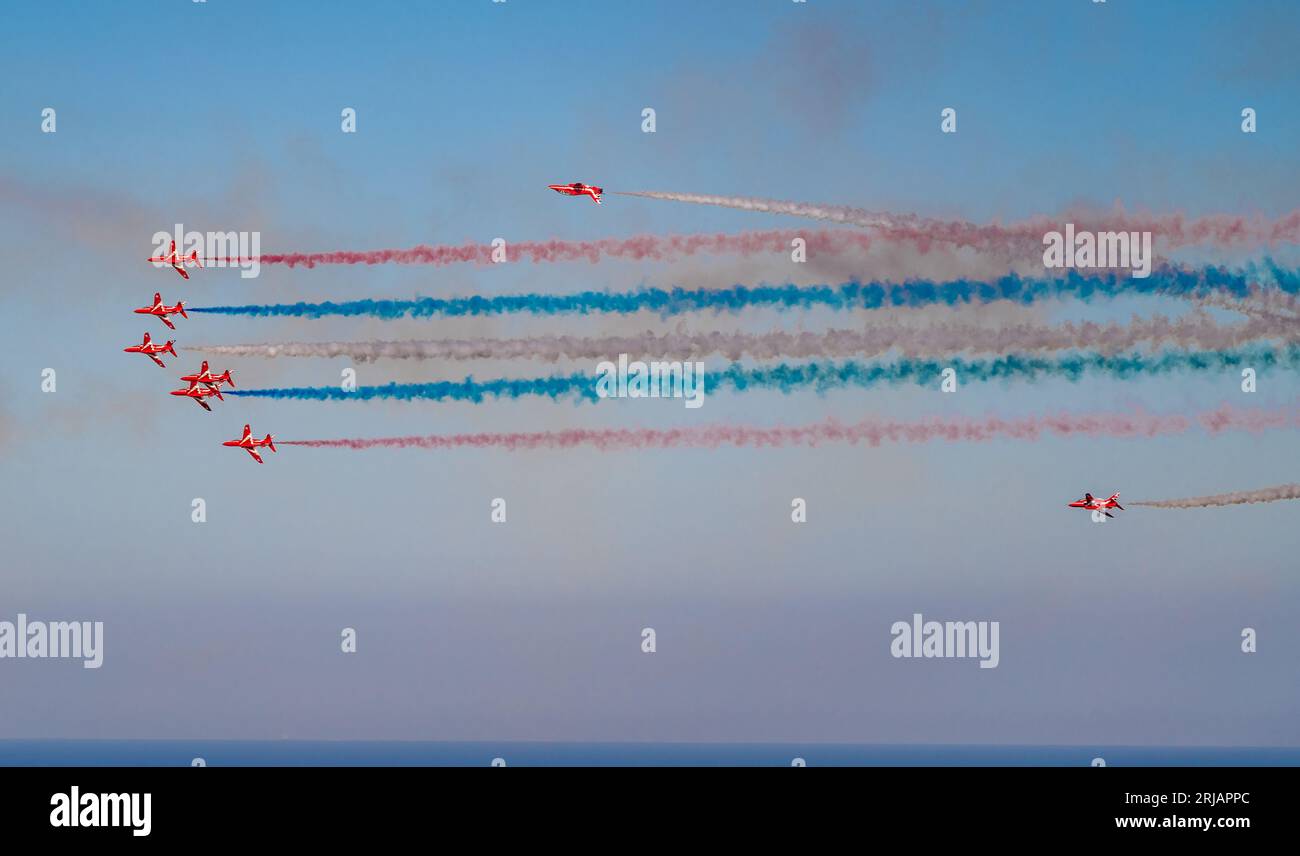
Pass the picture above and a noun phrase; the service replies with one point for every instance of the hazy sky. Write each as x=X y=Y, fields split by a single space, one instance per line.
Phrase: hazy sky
x=226 y=115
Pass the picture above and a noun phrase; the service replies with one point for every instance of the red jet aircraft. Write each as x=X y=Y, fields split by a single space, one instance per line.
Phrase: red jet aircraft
x=198 y=393
x=249 y=443
x=578 y=189
x=206 y=377
x=150 y=349
x=178 y=262
x=162 y=310
x=1092 y=503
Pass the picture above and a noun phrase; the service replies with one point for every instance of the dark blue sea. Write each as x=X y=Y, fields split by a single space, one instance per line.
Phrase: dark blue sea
x=352 y=753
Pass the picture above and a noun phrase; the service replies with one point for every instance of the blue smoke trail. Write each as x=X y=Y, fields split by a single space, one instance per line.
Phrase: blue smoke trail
x=822 y=376
x=1172 y=281
x=556 y=386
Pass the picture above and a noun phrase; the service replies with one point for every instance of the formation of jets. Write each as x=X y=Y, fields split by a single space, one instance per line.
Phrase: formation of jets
x=1092 y=503
x=203 y=384
x=578 y=189
x=178 y=262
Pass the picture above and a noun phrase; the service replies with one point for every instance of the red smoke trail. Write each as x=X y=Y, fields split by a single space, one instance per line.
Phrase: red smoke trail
x=636 y=248
x=1022 y=240
x=872 y=432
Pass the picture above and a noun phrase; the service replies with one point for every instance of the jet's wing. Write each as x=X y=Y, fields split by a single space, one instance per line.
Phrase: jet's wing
x=253 y=452
x=203 y=404
x=180 y=270
x=156 y=360
x=169 y=324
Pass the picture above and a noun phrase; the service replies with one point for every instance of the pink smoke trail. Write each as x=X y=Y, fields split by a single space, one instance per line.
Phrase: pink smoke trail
x=1238 y=497
x=636 y=248
x=1220 y=230
x=1196 y=330
x=872 y=432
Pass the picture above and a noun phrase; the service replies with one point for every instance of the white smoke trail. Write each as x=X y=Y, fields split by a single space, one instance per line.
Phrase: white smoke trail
x=1262 y=303
x=1239 y=497
x=833 y=213
x=1174 y=230
x=1196 y=330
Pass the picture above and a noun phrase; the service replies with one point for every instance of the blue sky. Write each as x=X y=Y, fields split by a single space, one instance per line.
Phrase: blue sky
x=225 y=115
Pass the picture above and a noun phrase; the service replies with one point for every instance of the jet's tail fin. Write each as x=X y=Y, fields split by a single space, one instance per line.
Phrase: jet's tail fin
x=269 y=442
x=194 y=257
x=225 y=376
x=171 y=348
x=180 y=307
